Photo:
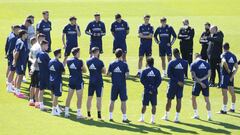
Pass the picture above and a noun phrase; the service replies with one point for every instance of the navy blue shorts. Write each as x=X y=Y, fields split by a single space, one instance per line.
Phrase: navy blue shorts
x=121 y=91
x=147 y=97
x=92 y=88
x=120 y=44
x=56 y=88
x=96 y=44
x=68 y=50
x=75 y=84
x=225 y=82
x=43 y=83
x=20 y=69
x=174 y=91
x=165 y=50
x=145 y=49
x=197 y=88
x=10 y=61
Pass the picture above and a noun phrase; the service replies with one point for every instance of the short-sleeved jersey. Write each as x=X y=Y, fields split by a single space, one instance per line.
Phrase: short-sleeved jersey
x=118 y=69
x=95 y=67
x=56 y=69
x=119 y=30
x=45 y=28
x=94 y=28
x=230 y=59
x=12 y=39
x=164 y=34
x=75 y=68
x=43 y=60
x=36 y=48
x=22 y=48
x=200 y=67
x=71 y=34
x=151 y=79
x=176 y=70
x=146 y=30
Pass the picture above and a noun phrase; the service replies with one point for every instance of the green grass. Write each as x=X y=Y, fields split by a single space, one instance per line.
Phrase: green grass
x=17 y=118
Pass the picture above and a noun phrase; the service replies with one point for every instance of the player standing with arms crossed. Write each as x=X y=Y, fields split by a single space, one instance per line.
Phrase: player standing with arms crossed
x=145 y=33
x=96 y=29
x=120 y=30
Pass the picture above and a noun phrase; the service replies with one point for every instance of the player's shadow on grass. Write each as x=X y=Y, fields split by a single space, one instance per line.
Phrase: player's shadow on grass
x=175 y=129
x=225 y=125
x=206 y=128
x=118 y=126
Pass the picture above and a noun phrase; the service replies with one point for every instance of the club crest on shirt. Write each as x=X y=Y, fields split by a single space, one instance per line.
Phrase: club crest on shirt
x=179 y=66
x=117 y=70
x=151 y=74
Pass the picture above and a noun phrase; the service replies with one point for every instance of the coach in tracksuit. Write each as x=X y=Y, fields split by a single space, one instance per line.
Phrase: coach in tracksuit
x=204 y=42
x=186 y=35
x=214 y=52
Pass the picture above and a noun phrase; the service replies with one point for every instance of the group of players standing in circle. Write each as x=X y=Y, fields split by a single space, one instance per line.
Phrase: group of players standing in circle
x=25 y=47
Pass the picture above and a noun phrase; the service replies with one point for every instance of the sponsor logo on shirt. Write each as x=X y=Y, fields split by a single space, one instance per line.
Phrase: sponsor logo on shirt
x=52 y=68
x=72 y=66
x=202 y=66
x=179 y=66
x=151 y=74
x=117 y=70
x=231 y=60
x=92 y=67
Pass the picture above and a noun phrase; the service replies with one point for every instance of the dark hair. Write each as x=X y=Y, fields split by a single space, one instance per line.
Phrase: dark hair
x=163 y=19
x=118 y=53
x=226 y=46
x=75 y=50
x=97 y=14
x=22 y=32
x=150 y=61
x=30 y=16
x=29 y=20
x=56 y=52
x=94 y=49
x=40 y=35
x=33 y=39
x=176 y=52
x=147 y=16
x=208 y=24
x=72 y=18
x=117 y=16
x=16 y=27
x=44 y=42
x=45 y=12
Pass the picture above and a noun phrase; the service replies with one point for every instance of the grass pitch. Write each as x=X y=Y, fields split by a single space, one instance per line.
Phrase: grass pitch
x=17 y=118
